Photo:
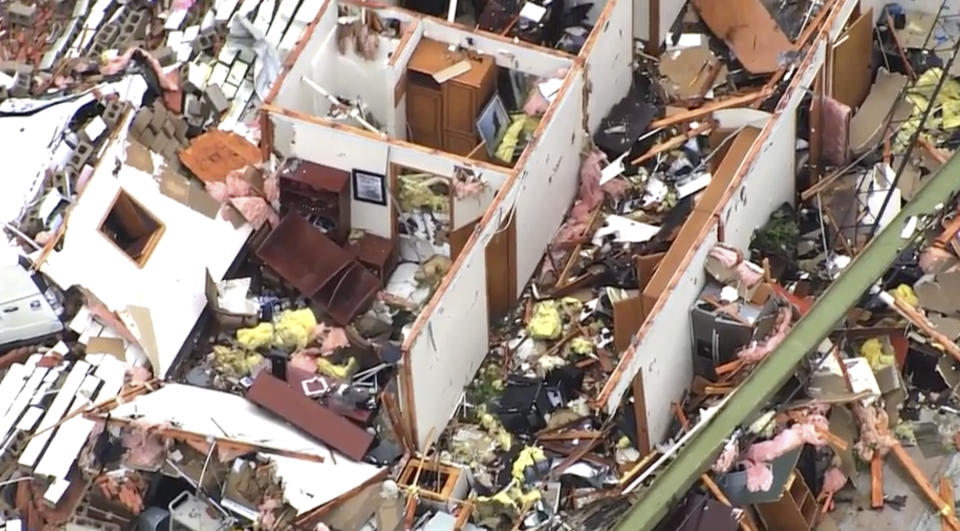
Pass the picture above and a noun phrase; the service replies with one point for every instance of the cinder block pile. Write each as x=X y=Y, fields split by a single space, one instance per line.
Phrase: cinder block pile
x=159 y=130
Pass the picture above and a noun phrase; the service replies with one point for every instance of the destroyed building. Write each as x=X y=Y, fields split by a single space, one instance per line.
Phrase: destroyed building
x=355 y=265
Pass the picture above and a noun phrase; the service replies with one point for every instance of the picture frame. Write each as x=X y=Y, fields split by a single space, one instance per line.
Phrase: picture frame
x=369 y=187
x=492 y=123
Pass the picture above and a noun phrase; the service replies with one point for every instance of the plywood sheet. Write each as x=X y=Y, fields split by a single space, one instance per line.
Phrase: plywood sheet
x=851 y=62
x=748 y=29
x=866 y=127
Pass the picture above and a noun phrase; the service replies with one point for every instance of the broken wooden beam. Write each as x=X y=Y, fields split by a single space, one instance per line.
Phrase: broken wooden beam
x=746 y=523
x=946 y=492
x=921 y=322
x=896 y=44
x=943 y=508
x=700 y=112
x=876 y=481
x=675 y=142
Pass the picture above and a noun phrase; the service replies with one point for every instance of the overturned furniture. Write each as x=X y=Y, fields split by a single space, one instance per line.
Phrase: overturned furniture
x=320 y=269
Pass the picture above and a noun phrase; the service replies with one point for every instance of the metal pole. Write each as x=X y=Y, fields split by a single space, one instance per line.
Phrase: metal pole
x=674 y=480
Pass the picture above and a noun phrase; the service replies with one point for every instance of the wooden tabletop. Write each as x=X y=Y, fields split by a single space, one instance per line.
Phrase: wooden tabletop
x=433 y=56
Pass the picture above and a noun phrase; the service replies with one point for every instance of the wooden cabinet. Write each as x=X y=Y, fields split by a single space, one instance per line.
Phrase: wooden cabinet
x=443 y=115
x=424 y=110
x=320 y=194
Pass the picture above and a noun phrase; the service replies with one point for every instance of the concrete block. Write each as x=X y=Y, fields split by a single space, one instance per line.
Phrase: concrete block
x=113 y=112
x=215 y=97
x=171 y=149
x=159 y=117
x=146 y=138
x=192 y=108
x=84 y=150
x=165 y=55
x=159 y=143
x=20 y=14
x=181 y=128
x=205 y=41
x=169 y=129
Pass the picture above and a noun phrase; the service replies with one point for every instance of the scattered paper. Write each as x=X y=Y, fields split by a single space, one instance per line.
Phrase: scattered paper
x=532 y=12
x=232 y=296
x=624 y=230
x=175 y=19
x=613 y=169
x=95 y=128
x=549 y=88
x=50 y=202
x=694 y=185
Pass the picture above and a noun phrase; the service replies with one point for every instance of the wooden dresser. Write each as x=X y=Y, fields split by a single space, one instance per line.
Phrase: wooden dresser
x=320 y=194
x=443 y=115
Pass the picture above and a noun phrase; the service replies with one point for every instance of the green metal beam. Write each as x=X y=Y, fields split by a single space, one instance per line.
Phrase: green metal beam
x=692 y=460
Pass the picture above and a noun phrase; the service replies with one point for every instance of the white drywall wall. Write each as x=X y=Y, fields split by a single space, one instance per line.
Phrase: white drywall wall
x=609 y=61
x=348 y=150
x=397 y=74
x=342 y=150
x=370 y=81
x=171 y=282
x=665 y=356
x=448 y=350
x=450 y=347
x=549 y=178
x=470 y=209
x=295 y=95
x=524 y=57
x=769 y=183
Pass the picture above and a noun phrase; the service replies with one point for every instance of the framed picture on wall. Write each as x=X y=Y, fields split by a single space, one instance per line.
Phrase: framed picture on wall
x=370 y=187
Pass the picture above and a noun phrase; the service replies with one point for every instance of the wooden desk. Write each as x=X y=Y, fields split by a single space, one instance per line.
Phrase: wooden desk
x=379 y=255
x=317 y=190
x=320 y=269
x=443 y=115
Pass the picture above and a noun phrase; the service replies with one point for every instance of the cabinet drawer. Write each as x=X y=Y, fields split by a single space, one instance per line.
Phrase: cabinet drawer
x=459 y=108
x=459 y=144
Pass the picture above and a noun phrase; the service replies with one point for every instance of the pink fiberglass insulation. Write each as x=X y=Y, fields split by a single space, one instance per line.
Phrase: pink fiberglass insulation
x=727 y=458
x=759 y=455
x=759 y=476
x=875 y=434
x=305 y=360
x=256 y=211
x=833 y=480
x=589 y=198
x=271 y=188
x=789 y=439
x=144 y=449
x=732 y=259
x=464 y=189
x=536 y=104
x=756 y=351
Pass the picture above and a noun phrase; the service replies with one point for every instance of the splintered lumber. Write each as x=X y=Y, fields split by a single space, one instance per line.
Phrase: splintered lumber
x=943 y=508
x=746 y=523
x=876 y=482
x=921 y=322
x=946 y=492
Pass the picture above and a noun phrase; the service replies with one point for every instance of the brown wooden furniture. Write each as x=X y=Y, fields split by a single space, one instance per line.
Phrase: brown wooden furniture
x=379 y=255
x=796 y=510
x=443 y=115
x=319 y=193
x=319 y=268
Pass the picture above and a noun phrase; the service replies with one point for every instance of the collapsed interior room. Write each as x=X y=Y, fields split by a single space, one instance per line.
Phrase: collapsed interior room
x=487 y=265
